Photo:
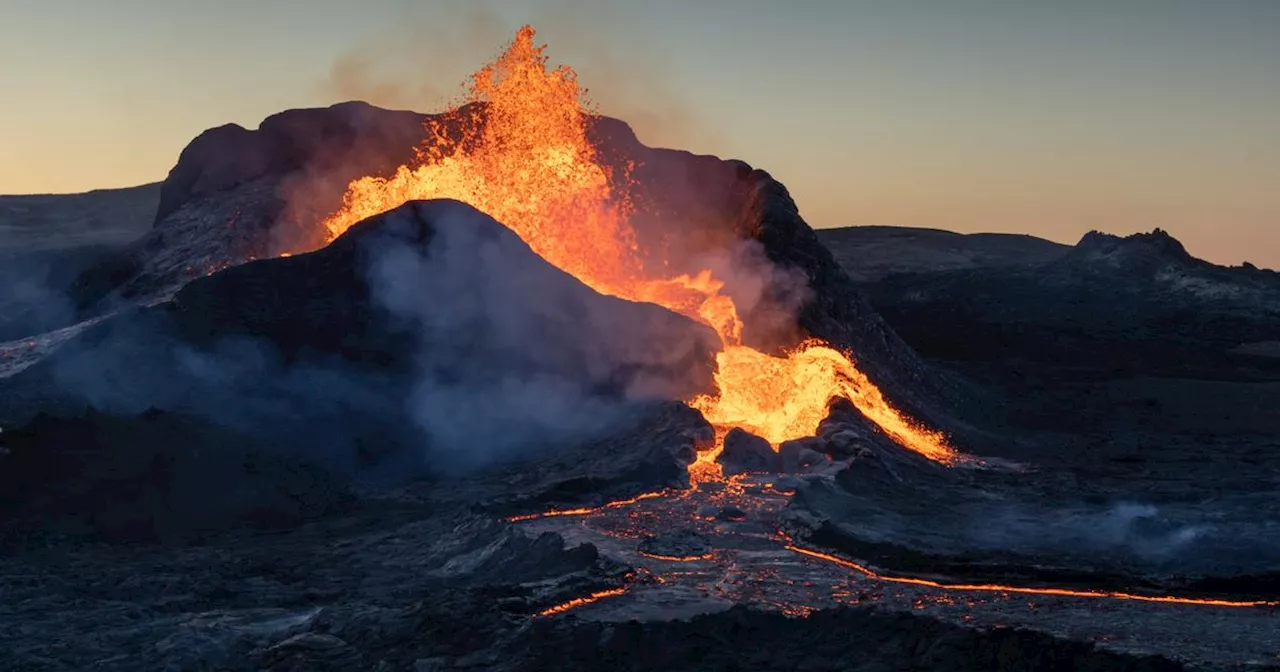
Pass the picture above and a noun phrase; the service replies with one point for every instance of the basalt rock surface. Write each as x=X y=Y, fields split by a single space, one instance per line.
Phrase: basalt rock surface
x=899 y=512
x=745 y=452
x=153 y=477
x=867 y=642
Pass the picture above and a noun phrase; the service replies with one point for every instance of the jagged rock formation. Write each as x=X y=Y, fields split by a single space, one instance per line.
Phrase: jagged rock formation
x=1140 y=251
x=745 y=452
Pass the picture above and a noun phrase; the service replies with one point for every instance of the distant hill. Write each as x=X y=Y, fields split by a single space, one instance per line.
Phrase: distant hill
x=46 y=222
x=1138 y=304
x=48 y=240
x=870 y=253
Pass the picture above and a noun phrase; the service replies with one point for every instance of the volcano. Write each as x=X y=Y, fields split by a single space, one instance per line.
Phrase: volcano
x=386 y=390
x=714 y=240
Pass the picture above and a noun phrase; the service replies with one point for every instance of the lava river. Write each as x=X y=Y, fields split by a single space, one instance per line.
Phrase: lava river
x=745 y=557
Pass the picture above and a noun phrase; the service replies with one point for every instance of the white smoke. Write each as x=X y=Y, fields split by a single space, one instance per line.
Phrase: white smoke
x=1123 y=528
x=515 y=354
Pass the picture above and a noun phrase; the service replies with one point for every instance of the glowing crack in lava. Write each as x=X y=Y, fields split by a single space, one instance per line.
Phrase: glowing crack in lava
x=529 y=164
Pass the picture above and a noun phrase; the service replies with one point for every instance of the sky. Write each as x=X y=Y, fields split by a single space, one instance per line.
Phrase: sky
x=1047 y=118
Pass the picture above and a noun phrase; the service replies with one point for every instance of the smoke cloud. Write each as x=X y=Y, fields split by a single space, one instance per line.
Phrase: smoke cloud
x=1132 y=529
x=320 y=410
x=515 y=355
x=32 y=296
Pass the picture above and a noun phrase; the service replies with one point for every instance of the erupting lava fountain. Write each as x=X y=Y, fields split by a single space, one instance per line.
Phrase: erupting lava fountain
x=529 y=164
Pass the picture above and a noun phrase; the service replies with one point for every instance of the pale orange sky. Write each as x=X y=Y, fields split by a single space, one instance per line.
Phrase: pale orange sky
x=1042 y=118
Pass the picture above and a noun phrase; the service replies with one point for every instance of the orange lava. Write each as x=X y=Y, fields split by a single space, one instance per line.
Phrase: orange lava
x=529 y=164
x=675 y=558
x=585 y=511
x=578 y=602
x=997 y=588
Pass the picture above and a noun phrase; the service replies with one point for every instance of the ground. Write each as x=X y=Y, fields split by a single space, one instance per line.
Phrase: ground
x=1116 y=401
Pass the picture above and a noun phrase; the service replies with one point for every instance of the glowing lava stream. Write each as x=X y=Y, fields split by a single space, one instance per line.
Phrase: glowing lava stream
x=584 y=511
x=578 y=602
x=997 y=588
x=529 y=164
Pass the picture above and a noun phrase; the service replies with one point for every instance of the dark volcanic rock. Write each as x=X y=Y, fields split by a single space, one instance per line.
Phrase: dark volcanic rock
x=732 y=513
x=744 y=452
x=1138 y=253
x=680 y=544
x=652 y=451
x=901 y=512
x=311 y=651
x=237 y=194
x=352 y=135
x=154 y=476
x=845 y=431
x=842 y=639
x=800 y=454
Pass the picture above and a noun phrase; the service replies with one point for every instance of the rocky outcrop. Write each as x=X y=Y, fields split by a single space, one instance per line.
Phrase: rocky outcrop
x=237 y=194
x=1140 y=251
x=745 y=452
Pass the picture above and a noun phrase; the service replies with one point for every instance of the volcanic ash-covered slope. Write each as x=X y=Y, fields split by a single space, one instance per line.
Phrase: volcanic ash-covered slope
x=430 y=327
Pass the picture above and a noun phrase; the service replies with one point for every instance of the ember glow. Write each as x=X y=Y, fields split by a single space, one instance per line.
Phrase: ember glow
x=528 y=163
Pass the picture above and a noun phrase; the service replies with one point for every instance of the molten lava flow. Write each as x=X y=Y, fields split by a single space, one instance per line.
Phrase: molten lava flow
x=780 y=399
x=997 y=588
x=578 y=602
x=585 y=511
x=529 y=164
x=677 y=558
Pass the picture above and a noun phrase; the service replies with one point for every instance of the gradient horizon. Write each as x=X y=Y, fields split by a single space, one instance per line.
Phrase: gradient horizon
x=1006 y=116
